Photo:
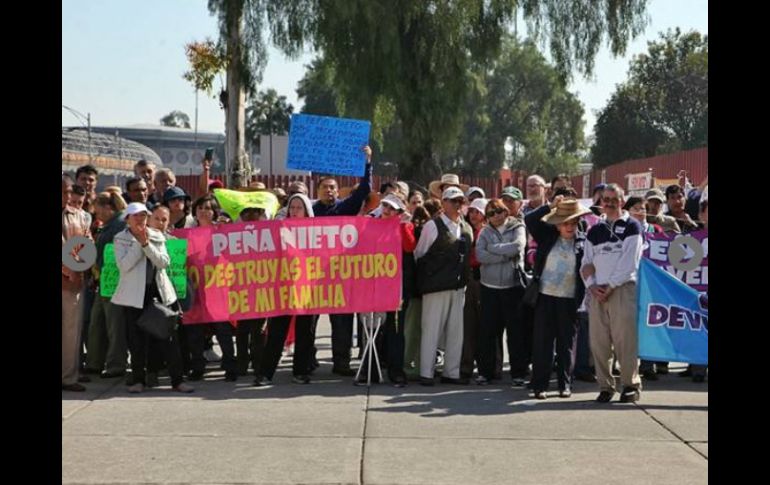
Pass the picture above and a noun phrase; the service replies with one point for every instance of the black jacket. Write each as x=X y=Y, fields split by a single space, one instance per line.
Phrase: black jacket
x=546 y=236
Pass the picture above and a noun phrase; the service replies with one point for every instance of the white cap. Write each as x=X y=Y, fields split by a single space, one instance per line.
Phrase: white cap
x=394 y=202
x=475 y=189
x=135 y=208
x=480 y=205
x=452 y=193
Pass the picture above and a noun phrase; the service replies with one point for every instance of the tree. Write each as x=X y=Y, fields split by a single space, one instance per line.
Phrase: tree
x=662 y=107
x=240 y=37
x=522 y=96
x=411 y=62
x=268 y=114
x=622 y=132
x=176 y=119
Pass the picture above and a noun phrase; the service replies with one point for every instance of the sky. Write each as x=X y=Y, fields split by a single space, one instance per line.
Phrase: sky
x=122 y=61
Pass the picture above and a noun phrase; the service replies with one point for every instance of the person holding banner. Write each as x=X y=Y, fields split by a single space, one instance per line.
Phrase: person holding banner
x=557 y=264
x=142 y=258
x=207 y=211
x=613 y=249
x=107 y=345
x=393 y=206
x=329 y=205
x=443 y=269
x=299 y=206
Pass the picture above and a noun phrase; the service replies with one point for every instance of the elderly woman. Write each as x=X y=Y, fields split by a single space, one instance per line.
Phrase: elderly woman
x=142 y=259
x=500 y=250
x=557 y=264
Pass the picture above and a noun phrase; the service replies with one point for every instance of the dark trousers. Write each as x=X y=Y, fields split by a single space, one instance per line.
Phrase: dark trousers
x=555 y=319
x=195 y=336
x=138 y=342
x=192 y=352
x=342 y=338
x=250 y=340
x=89 y=295
x=583 y=351
x=471 y=323
x=277 y=329
x=496 y=317
x=520 y=349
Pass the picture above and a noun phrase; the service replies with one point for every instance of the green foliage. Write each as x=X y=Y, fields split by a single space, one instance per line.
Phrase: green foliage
x=176 y=119
x=206 y=61
x=268 y=113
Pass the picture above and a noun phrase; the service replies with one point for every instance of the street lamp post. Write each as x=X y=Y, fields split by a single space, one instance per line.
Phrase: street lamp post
x=80 y=117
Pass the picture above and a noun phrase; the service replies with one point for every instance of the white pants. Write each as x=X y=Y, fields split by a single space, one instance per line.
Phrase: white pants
x=442 y=315
x=71 y=324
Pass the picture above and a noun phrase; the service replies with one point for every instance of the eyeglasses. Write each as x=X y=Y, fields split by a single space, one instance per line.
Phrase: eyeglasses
x=495 y=212
x=457 y=201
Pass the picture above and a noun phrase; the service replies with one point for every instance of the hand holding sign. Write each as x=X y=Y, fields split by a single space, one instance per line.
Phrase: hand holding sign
x=324 y=144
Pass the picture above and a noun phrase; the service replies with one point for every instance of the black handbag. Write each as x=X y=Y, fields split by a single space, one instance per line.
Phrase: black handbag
x=158 y=320
x=531 y=293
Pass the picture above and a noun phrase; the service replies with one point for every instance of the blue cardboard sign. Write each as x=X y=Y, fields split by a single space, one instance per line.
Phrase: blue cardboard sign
x=324 y=144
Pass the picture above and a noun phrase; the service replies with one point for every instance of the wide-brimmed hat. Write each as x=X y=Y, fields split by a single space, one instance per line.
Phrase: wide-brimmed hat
x=447 y=180
x=565 y=211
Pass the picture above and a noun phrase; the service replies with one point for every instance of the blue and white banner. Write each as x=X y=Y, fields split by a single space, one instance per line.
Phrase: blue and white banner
x=672 y=318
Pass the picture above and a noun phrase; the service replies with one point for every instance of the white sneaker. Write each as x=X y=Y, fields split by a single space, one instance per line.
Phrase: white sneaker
x=211 y=355
x=136 y=388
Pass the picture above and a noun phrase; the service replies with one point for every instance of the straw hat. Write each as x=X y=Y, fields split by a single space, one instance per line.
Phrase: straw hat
x=447 y=180
x=565 y=211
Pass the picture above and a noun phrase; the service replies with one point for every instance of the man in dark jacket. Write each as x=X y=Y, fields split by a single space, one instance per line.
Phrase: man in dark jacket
x=329 y=205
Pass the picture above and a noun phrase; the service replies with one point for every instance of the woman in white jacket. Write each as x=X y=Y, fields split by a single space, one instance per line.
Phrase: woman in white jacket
x=142 y=259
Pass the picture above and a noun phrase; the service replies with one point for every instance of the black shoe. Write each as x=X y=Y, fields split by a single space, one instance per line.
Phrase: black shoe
x=84 y=379
x=450 y=380
x=301 y=379
x=110 y=375
x=73 y=387
x=605 y=396
x=261 y=381
x=231 y=376
x=399 y=381
x=482 y=381
x=585 y=377
x=629 y=394
x=699 y=378
x=650 y=375
x=196 y=375
x=427 y=381
x=344 y=371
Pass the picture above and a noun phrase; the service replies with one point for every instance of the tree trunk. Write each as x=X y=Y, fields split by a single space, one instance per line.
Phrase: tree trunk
x=235 y=113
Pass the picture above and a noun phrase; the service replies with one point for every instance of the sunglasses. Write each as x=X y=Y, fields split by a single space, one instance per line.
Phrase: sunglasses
x=495 y=212
x=457 y=201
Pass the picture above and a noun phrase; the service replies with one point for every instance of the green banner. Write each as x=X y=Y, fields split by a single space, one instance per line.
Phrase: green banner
x=177 y=270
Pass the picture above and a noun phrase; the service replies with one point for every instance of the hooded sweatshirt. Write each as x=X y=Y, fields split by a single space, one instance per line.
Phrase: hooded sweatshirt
x=305 y=200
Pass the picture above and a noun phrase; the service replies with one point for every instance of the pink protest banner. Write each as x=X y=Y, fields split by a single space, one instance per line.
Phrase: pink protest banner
x=694 y=256
x=293 y=267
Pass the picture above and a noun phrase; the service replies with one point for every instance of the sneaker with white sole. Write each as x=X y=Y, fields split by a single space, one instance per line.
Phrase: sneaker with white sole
x=136 y=388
